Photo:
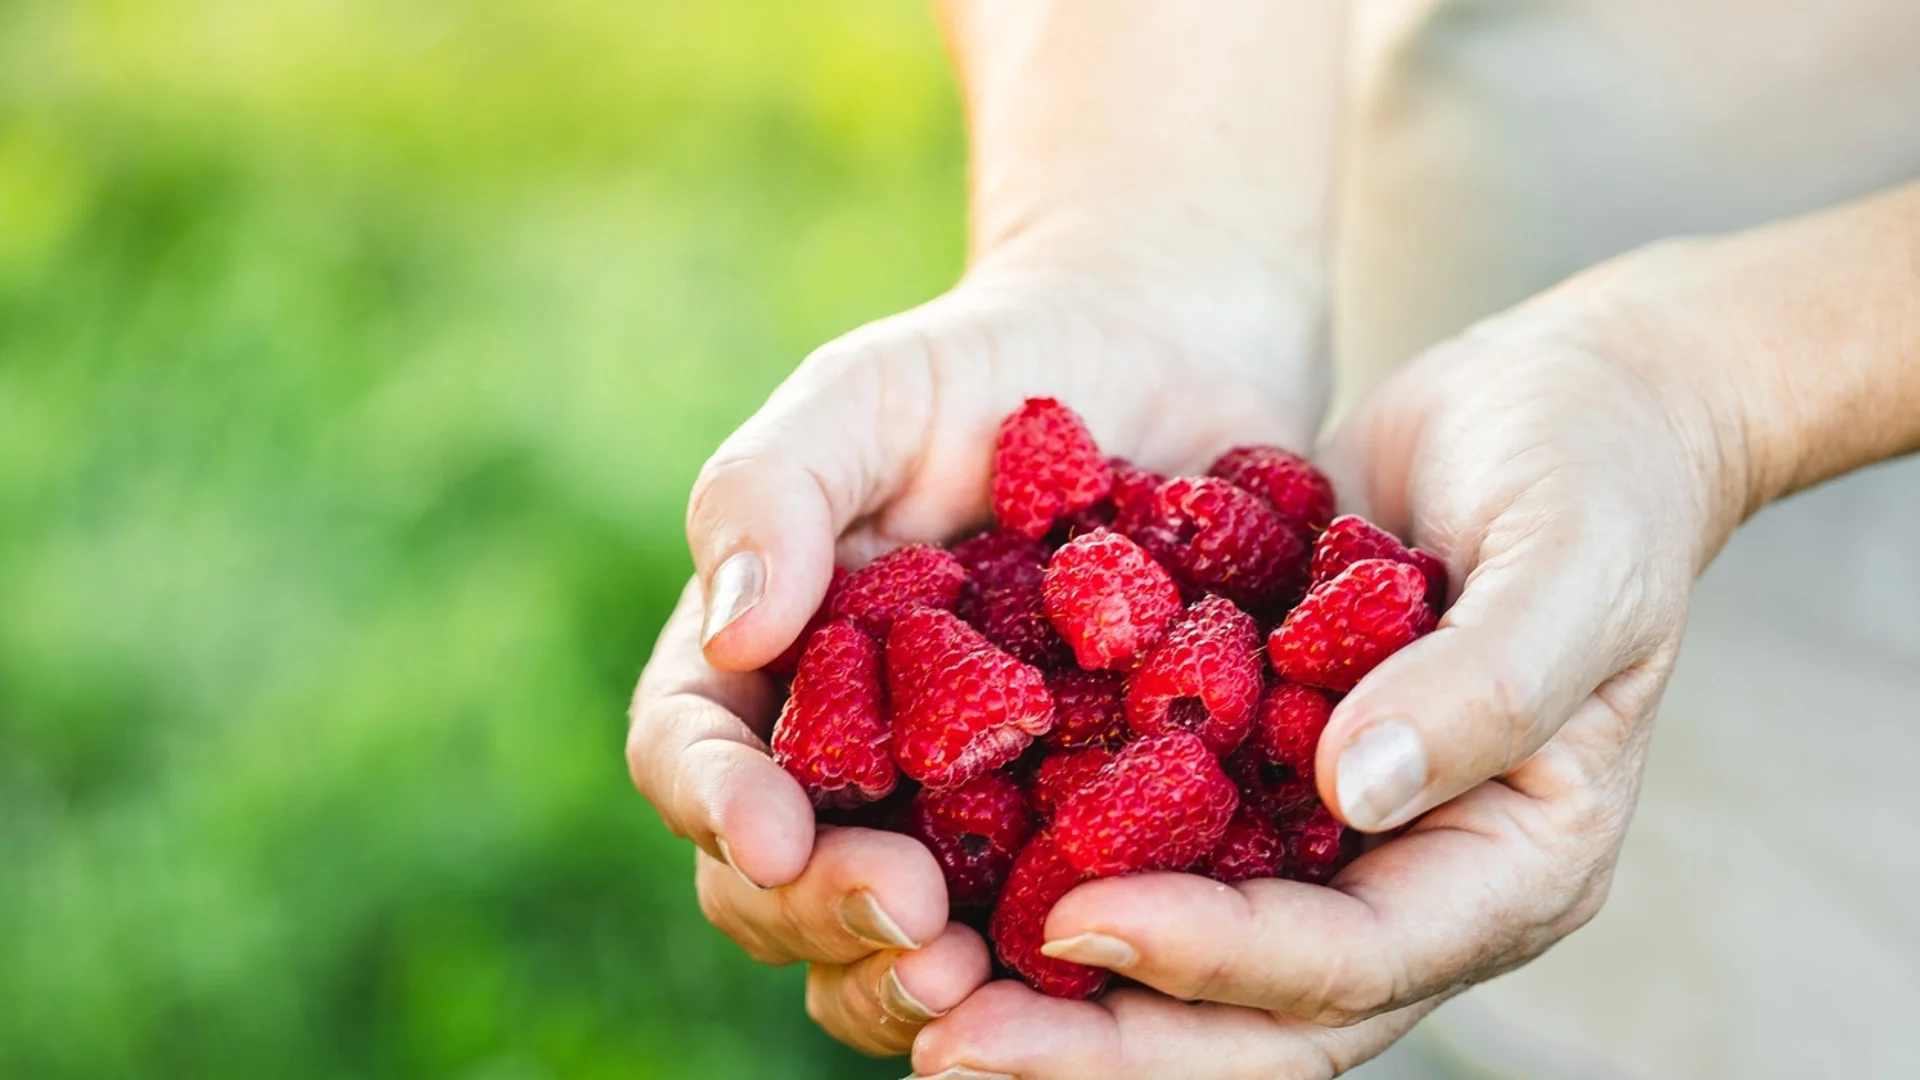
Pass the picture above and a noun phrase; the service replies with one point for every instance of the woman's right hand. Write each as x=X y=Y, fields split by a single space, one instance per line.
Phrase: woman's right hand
x=884 y=438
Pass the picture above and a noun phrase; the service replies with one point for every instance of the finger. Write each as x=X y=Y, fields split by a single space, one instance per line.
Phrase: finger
x=704 y=768
x=862 y=891
x=1559 y=600
x=834 y=441
x=1475 y=888
x=1007 y=1030
x=879 y=1003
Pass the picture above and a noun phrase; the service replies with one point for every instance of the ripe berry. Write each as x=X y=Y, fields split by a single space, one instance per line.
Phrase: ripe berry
x=1216 y=537
x=1089 y=709
x=1045 y=466
x=1276 y=790
x=916 y=576
x=1347 y=626
x=1000 y=558
x=974 y=831
x=1203 y=677
x=1133 y=487
x=1287 y=727
x=1061 y=776
x=1108 y=599
x=1350 y=539
x=1316 y=847
x=1162 y=804
x=1040 y=877
x=1287 y=481
x=832 y=735
x=1252 y=847
x=961 y=706
x=1015 y=618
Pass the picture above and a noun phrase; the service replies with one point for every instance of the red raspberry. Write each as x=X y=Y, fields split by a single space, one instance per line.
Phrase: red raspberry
x=1253 y=847
x=832 y=734
x=1045 y=466
x=1162 y=804
x=1347 y=626
x=1040 y=877
x=1089 y=709
x=916 y=576
x=975 y=831
x=961 y=707
x=1130 y=499
x=1286 y=731
x=1352 y=538
x=1061 y=776
x=1015 y=618
x=1203 y=677
x=1288 y=482
x=1316 y=848
x=1220 y=539
x=1108 y=599
x=784 y=665
x=1133 y=487
x=1275 y=789
x=999 y=558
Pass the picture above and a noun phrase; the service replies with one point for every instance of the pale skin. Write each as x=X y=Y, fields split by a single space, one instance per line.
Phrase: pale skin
x=1151 y=200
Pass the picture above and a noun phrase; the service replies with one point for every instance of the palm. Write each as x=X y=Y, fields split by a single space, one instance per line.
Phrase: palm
x=935 y=381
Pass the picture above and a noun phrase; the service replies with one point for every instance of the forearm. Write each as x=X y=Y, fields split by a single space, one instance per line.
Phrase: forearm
x=1795 y=347
x=1137 y=129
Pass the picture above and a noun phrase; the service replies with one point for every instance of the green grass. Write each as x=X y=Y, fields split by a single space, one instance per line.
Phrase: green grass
x=355 y=359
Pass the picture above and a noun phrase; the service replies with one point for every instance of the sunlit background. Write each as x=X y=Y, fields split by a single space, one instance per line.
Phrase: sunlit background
x=355 y=360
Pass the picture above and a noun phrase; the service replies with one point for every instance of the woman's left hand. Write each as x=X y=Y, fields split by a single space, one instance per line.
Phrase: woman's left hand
x=1574 y=482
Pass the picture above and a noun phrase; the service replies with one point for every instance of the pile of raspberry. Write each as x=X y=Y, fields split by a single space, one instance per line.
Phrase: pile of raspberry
x=1083 y=690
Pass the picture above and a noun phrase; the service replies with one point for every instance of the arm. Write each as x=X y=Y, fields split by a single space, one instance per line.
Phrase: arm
x=1808 y=330
x=1149 y=225
x=1206 y=129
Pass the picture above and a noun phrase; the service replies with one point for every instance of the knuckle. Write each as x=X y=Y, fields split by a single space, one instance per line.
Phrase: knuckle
x=1510 y=715
x=819 y=1008
x=717 y=480
x=1351 y=993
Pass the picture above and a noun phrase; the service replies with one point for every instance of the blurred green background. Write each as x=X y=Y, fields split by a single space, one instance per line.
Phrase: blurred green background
x=355 y=360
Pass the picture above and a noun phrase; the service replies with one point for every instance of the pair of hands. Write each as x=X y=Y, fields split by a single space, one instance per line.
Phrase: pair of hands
x=1572 y=491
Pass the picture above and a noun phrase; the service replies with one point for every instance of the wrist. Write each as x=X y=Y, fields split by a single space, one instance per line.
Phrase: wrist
x=1653 y=314
x=1246 y=314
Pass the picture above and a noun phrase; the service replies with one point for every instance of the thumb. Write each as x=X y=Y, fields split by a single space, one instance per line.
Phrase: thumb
x=1543 y=622
x=769 y=505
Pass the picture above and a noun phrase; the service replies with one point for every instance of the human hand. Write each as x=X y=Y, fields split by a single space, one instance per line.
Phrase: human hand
x=1574 y=481
x=880 y=439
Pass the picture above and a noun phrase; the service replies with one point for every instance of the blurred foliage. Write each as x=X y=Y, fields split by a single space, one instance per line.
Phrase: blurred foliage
x=355 y=360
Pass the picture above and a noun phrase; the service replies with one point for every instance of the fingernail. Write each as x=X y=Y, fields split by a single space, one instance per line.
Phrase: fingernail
x=726 y=856
x=1380 y=774
x=963 y=1074
x=1096 y=950
x=860 y=913
x=734 y=588
x=899 y=1002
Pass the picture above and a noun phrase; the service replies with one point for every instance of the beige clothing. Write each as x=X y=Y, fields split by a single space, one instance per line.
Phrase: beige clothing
x=1766 y=917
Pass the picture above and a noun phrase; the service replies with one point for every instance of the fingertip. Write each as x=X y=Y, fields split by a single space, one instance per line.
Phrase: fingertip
x=898 y=874
x=762 y=533
x=760 y=812
x=926 y=984
x=1379 y=776
x=1005 y=1028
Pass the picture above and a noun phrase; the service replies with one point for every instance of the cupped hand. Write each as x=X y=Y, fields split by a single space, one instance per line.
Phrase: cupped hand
x=880 y=439
x=1574 y=485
